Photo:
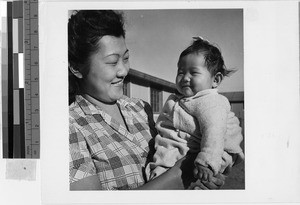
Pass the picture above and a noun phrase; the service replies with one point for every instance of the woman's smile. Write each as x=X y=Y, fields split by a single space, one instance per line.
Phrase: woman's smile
x=118 y=82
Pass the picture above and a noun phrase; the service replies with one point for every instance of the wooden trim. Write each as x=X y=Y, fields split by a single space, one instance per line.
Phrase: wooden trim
x=152 y=80
x=234 y=97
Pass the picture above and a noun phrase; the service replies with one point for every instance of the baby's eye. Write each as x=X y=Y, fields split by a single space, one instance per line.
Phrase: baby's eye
x=179 y=73
x=195 y=73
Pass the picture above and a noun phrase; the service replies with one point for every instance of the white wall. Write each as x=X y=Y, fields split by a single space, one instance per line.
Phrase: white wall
x=165 y=96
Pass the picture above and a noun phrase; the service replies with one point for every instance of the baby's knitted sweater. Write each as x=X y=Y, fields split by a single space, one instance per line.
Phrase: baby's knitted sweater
x=203 y=123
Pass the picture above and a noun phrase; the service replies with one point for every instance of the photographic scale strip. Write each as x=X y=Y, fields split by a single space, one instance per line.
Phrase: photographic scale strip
x=20 y=80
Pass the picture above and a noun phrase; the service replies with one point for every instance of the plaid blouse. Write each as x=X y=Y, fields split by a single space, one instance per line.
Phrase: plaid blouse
x=100 y=146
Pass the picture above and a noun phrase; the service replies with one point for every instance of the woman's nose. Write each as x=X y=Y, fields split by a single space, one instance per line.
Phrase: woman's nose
x=123 y=70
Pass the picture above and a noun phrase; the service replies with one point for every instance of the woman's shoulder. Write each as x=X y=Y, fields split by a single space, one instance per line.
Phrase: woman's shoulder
x=73 y=107
x=76 y=109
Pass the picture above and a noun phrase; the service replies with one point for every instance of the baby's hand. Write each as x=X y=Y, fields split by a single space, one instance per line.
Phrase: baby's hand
x=203 y=173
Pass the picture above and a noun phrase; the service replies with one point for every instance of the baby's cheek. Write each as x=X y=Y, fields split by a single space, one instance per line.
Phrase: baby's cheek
x=177 y=81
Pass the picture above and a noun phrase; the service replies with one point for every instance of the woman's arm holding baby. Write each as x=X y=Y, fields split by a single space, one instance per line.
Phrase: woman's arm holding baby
x=180 y=177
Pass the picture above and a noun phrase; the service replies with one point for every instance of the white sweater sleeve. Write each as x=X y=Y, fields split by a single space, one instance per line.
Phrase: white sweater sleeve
x=211 y=113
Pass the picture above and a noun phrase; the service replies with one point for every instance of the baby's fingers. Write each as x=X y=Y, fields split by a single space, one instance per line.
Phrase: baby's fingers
x=195 y=172
x=210 y=177
x=200 y=175
x=217 y=181
x=205 y=176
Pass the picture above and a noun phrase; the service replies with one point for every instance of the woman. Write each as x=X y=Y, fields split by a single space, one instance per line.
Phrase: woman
x=111 y=134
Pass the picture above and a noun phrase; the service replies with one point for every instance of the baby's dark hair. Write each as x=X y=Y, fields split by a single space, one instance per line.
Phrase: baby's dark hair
x=212 y=56
x=85 y=29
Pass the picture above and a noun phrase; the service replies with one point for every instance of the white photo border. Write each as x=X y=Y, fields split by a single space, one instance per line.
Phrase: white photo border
x=271 y=70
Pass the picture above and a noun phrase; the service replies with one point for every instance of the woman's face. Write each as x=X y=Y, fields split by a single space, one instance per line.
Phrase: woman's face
x=108 y=68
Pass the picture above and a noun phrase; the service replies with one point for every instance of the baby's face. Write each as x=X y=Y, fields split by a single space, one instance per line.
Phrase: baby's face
x=192 y=75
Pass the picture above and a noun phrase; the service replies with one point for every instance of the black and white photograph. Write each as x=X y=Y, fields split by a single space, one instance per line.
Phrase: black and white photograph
x=174 y=129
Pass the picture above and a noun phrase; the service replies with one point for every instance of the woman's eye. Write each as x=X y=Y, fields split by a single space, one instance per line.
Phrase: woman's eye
x=112 y=62
x=126 y=59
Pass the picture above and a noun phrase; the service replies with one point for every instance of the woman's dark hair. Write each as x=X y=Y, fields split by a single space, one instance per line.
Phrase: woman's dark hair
x=85 y=29
x=212 y=56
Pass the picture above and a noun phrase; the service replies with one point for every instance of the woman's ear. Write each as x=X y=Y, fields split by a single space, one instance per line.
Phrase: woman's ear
x=75 y=72
x=217 y=80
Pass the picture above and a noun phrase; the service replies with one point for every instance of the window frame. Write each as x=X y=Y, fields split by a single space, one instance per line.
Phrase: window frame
x=126 y=87
x=156 y=96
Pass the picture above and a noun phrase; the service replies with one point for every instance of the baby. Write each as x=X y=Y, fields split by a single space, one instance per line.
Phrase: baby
x=198 y=120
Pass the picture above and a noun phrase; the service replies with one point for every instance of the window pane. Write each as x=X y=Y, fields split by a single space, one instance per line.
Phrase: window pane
x=155 y=99
x=126 y=88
